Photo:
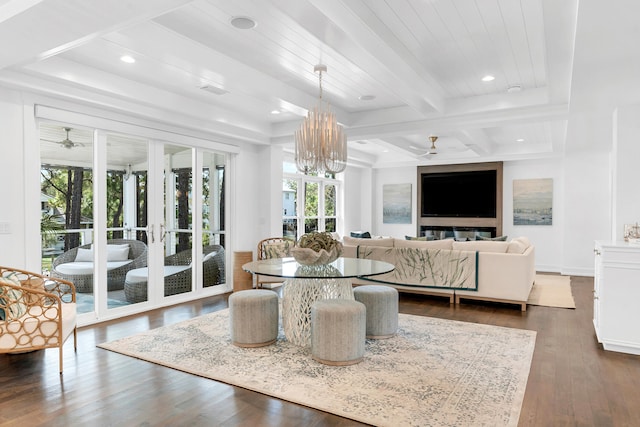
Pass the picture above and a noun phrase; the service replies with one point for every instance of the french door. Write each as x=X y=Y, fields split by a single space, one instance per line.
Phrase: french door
x=140 y=222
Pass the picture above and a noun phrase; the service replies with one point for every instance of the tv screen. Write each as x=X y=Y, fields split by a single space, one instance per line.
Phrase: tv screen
x=459 y=194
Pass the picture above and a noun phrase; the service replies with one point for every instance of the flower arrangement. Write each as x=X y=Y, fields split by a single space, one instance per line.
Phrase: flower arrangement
x=316 y=248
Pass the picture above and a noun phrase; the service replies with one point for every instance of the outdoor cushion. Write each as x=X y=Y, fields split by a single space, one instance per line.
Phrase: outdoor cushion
x=138 y=275
x=84 y=267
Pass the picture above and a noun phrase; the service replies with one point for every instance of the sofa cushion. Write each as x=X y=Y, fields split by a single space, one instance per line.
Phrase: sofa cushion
x=76 y=268
x=383 y=241
x=482 y=246
x=518 y=245
x=431 y=244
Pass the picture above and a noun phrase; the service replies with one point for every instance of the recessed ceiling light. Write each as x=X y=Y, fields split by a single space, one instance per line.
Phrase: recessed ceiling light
x=488 y=78
x=367 y=97
x=275 y=112
x=520 y=140
x=243 y=22
x=128 y=59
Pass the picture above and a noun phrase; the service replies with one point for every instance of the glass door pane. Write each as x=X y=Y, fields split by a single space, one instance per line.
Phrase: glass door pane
x=290 y=208
x=177 y=234
x=311 y=206
x=213 y=219
x=329 y=207
x=66 y=203
x=126 y=206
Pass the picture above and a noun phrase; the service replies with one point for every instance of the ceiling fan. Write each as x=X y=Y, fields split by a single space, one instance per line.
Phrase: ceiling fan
x=433 y=150
x=66 y=143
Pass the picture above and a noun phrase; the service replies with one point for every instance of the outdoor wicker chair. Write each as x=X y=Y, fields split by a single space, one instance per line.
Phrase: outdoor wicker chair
x=213 y=273
x=115 y=276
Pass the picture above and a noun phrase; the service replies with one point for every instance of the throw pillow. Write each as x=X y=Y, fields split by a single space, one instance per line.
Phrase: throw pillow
x=84 y=255
x=278 y=250
x=423 y=238
x=13 y=306
x=360 y=234
x=117 y=253
x=495 y=239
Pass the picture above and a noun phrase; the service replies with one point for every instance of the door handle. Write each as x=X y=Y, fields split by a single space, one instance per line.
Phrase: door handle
x=163 y=232
x=150 y=233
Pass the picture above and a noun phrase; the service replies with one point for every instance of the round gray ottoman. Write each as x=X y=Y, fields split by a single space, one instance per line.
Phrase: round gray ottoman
x=382 y=309
x=253 y=317
x=338 y=331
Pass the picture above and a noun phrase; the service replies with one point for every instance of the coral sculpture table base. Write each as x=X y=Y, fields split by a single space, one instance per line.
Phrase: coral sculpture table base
x=298 y=297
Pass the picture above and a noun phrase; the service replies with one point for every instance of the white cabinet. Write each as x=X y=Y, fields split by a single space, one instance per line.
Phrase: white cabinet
x=616 y=316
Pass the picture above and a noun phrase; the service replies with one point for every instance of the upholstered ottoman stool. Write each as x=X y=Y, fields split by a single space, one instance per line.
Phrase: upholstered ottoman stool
x=382 y=309
x=338 y=331
x=253 y=317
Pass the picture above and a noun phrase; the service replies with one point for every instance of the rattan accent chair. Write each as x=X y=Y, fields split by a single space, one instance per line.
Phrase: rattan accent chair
x=213 y=274
x=115 y=277
x=273 y=247
x=37 y=312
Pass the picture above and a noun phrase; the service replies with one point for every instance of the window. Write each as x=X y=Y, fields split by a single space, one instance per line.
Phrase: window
x=309 y=202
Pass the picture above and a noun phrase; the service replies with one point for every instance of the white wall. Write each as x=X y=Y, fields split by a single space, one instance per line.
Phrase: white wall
x=394 y=176
x=12 y=184
x=580 y=206
x=358 y=190
x=626 y=169
x=546 y=238
x=587 y=201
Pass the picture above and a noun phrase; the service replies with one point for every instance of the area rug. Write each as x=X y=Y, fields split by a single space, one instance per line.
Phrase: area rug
x=434 y=372
x=552 y=290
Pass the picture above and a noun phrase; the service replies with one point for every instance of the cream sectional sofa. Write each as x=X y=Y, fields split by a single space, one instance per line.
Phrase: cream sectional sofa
x=477 y=270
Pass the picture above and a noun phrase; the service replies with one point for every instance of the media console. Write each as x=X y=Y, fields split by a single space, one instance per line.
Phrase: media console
x=463 y=197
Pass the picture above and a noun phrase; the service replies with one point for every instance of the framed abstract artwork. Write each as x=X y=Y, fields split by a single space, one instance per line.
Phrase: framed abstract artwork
x=533 y=201
x=396 y=204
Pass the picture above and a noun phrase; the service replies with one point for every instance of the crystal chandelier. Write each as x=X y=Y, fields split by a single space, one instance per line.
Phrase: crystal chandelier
x=321 y=144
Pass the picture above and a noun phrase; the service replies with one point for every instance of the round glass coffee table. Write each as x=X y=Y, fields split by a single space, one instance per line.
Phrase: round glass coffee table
x=304 y=285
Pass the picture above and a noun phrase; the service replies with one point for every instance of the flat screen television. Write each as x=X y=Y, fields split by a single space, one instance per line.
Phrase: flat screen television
x=467 y=194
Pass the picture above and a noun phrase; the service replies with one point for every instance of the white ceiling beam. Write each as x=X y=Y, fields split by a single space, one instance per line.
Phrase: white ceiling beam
x=349 y=35
x=34 y=35
x=478 y=120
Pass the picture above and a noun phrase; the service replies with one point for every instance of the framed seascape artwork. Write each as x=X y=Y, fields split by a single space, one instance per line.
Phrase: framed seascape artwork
x=396 y=204
x=533 y=201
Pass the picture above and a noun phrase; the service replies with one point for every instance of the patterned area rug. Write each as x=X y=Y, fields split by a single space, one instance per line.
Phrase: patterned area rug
x=433 y=372
x=551 y=290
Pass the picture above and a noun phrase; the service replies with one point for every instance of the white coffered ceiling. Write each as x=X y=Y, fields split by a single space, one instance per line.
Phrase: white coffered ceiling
x=422 y=60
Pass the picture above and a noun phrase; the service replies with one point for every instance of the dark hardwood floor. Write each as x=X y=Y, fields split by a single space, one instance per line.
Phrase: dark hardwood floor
x=573 y=382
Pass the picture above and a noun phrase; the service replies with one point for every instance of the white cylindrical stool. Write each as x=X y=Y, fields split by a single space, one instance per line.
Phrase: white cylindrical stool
x=253 y=317
x=382 y=309
x=338 y=331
